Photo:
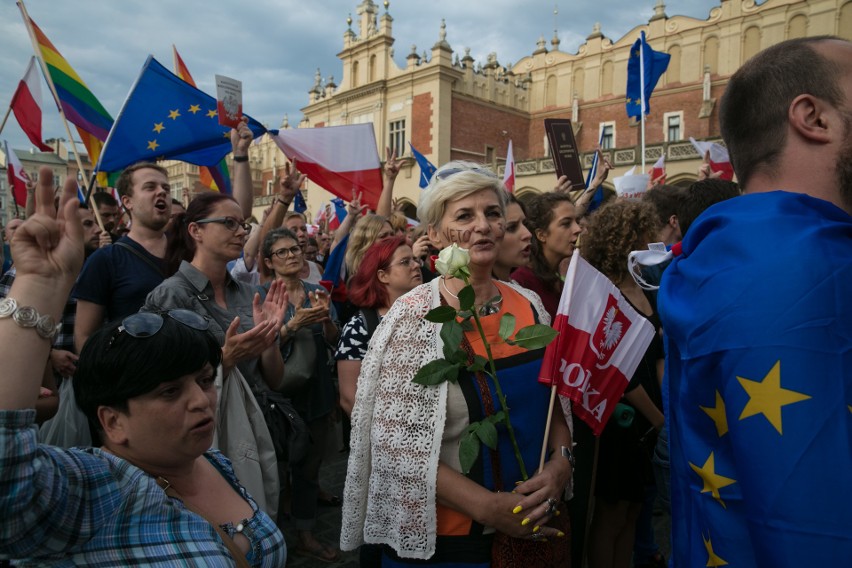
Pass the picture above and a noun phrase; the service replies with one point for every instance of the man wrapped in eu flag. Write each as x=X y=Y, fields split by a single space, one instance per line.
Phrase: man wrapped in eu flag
x=758 y=317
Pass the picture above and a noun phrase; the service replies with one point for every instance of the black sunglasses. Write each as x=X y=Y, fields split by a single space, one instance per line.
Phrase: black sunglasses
x=147 y=324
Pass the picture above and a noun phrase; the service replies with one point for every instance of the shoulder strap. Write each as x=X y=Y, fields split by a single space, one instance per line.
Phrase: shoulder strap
x=147 y=260
x=239 y=558
x=371 y=318
x=203 y=299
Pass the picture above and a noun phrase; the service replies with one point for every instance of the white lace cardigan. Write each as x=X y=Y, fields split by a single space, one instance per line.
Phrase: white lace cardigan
x=397 y=427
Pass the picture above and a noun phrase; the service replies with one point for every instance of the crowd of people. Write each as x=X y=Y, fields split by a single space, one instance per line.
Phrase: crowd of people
x=180 y=413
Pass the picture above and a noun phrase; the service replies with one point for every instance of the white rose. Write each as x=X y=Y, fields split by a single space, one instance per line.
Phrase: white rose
x=452 y=261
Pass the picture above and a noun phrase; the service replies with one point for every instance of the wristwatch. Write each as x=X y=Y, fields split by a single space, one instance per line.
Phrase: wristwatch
x=569 y=455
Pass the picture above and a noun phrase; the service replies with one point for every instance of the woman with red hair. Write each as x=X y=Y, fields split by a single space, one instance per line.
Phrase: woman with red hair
x=388 y=270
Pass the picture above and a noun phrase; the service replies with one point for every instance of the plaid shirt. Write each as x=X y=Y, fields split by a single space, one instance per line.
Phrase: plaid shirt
x=65 y=338
x=90 y=508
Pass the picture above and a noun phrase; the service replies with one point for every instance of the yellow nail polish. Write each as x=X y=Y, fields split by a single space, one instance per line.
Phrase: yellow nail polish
x=517 y=509
x=525 y=522
x=518 y=483
x=536 y=528
x=560 y=534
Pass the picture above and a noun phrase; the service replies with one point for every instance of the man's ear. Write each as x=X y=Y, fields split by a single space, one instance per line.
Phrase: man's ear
x=813 y=119
x=114 y=423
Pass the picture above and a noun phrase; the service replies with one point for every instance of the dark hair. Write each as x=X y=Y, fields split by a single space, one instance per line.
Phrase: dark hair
x=753 y=111
x=313 y=242
x=177 y=202
x=115 y=367
x=124 y=184
x=181 y=246
x=665 y=199
x=701 y=195
x=273 y=236
x=102 y=198
x=615 y=230
x=365 y=290
x=539 y=216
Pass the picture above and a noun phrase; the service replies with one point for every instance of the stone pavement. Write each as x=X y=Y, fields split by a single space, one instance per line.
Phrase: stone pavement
x=332 y=476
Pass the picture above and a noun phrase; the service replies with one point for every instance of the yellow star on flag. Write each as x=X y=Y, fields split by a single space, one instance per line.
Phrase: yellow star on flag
x=713 y=482
x=194 y=108
x=158 y=127
x=152 y=145
x=211 y=113
x=174 y=114
x=767 y=397
x=712 y=558
x=717 y=414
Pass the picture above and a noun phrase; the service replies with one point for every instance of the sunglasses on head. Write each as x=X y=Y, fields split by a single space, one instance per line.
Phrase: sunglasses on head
x=147 y=324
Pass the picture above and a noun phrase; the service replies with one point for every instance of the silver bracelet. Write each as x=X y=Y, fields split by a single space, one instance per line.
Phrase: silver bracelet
x=28 y=316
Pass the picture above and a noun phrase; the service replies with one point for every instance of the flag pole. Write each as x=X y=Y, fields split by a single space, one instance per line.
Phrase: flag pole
x=642 y=96
x=52 y=88
x=5 y=118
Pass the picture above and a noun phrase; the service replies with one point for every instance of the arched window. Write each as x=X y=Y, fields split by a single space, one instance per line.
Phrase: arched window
x=550 y=91
x=355 y=74
x=673 y=71
x=751 y=43
x=844 y=29
x=606 y=78
x=798 y=27
x=579 y=77
x=711 y=54
x=372 y=74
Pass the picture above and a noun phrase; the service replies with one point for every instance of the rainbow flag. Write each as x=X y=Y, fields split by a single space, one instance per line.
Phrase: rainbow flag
x=80 y=106
x=217 y=178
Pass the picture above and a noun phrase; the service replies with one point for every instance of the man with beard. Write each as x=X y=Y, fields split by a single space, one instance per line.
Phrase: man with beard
x=758 y=318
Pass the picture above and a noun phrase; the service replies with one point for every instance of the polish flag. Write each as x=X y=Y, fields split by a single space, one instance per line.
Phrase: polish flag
x=18 y=178
x=720 y=160
x=509 y=174
x=26 y=104
x=601 y=341
x=339 y=159
x=658 y=171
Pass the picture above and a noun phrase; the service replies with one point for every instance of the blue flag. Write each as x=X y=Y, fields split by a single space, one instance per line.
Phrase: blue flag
x=598 y=197
x=166 y=117
x=427 y=169
x=655 y=64
x=81 y=195
x=758 y=321
x=299 y=205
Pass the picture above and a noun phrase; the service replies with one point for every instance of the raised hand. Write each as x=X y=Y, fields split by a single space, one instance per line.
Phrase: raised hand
x=289 y=185
x=392 y=165
x=241 y=138
x=604 y=166
x=705 y=170
x=354 y=207
x=242 y=346
x=274 y=305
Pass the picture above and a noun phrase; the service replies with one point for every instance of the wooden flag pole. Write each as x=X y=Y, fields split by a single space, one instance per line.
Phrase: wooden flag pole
x=5 y=118
x=52 y=87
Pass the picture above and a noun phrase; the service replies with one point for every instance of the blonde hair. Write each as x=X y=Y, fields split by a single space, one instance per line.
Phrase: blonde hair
x=362 y=236
x=455 y=180
x=398 y=221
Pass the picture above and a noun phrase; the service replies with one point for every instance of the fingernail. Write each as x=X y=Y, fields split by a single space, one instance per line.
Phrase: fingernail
x=518 y=483
x=525 y=522
x=517 y=509
x=560 y=534
x=536 y=528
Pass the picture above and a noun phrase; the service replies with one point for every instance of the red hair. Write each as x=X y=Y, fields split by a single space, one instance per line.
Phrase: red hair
x=365 y=289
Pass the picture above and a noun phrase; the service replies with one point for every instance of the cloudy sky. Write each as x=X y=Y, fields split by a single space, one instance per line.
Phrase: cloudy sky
x=275 y=46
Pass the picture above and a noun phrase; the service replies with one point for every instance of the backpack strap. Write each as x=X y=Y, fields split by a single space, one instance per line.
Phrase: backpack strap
x=147 y=260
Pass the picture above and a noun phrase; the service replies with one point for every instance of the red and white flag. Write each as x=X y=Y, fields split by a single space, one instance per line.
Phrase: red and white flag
x=658 y=171
x=26 y=104
x=601 y=341
x=720 y=160
x=509 y=174
x=337 y=158
x=18 y=178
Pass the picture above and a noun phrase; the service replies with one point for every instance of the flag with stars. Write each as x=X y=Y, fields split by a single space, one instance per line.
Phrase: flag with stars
x=164 y=117
x=758 y=320
x=644 y=68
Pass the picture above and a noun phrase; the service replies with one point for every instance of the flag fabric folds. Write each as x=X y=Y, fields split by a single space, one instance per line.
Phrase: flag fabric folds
x=80 y=106
x=339 y=159
x=601 y=341
x=720 y=160
x=299 y=205
x=26 y=104
x=509 y=174
x=757 y=316
x=658 y=170
x=644 y=68
x=427 y=169
x=332 y=277
x=339 y=208
x=165 y=117
x=17 y=177
x=598 y=197
x=218 y=177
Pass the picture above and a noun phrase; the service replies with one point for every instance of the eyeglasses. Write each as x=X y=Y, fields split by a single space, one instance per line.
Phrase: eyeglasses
x=408 y=262
x=452 y=171
x=283 y=253
x=147 y=324
x=229 y=222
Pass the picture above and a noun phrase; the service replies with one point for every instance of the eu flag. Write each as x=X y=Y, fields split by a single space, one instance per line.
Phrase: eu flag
x=427 y=169
x=644 y=68
x=166 y=117
x=758 y=318
x=299 y=205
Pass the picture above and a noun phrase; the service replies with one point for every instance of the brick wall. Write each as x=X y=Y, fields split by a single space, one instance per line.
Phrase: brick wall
x=421 y=123
x=475 y=125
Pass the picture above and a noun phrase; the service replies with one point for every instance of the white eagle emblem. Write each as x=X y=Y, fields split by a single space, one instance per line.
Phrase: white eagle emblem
x=611 y=330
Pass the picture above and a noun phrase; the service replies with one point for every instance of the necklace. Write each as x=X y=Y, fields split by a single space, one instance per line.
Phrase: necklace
x=487 y=309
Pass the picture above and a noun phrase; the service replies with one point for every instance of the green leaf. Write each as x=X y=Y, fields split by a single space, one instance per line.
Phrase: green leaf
x=441 y=314
x=498 y=417
x=451 y=335
x=436 y=372
x=467 y=325
x=487 y=433
x=507 y=326
x=479 y=363
x=465 y=314
x=468 y=452
x=467 y=297
x=535 y=336
x=459 y=356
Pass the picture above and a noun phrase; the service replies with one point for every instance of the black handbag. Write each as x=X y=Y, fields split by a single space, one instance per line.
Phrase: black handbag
x=300 y=364
x=290 y=434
